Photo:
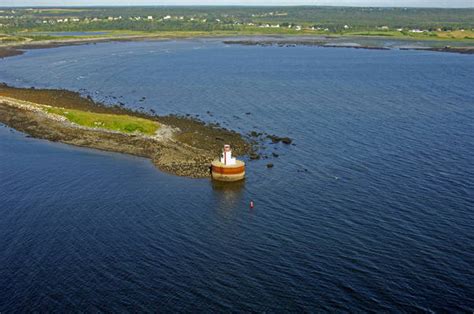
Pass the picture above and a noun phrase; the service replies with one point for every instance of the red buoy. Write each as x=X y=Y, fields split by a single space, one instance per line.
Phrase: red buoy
x=251 y=204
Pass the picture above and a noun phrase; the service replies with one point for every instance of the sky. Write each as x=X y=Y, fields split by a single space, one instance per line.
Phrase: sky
x=391 y=3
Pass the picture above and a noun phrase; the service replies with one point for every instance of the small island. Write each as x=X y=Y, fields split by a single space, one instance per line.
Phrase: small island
x=178 y=145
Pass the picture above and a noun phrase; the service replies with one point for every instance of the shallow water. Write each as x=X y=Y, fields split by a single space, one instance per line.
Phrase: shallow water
x=371 y=209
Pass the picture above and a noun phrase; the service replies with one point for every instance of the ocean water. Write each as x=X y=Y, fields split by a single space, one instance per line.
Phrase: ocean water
x=372 y=209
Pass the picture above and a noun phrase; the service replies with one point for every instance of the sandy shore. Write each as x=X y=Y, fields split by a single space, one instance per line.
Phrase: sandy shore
x=182 y=146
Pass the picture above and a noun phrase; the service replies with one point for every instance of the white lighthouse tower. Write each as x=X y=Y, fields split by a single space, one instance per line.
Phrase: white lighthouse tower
x=226 y=157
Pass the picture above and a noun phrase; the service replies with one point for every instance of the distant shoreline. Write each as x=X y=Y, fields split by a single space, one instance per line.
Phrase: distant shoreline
x=15 y=49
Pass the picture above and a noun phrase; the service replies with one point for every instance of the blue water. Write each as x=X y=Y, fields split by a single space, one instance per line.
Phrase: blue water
x=372 y=209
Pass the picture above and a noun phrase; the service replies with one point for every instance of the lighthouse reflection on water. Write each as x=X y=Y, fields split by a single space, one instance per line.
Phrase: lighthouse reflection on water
x=229 y=194
x=228 y=188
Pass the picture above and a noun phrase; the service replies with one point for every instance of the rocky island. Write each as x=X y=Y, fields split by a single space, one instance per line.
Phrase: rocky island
x=178 y=145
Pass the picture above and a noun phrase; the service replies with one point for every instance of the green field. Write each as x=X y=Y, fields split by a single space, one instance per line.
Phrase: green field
x=113 y=122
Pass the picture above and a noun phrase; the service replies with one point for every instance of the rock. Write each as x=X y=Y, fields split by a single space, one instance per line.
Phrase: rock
x=269 y=165
x=254 y=156
x=286 y=140
x=276 y=139
x=275 y=155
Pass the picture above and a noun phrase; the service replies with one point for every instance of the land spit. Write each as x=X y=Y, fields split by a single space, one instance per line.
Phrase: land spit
x=289 y=42
x=182 y=146
x=324 y=43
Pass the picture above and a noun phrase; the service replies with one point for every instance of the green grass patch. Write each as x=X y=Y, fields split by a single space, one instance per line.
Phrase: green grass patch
x=114 y=122
x=11 y=39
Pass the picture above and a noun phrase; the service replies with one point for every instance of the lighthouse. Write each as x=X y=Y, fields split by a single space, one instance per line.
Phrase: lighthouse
x=227 y=168
x=226 y=157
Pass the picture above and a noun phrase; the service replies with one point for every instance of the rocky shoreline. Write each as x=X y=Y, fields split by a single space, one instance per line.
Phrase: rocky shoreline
x=6 y=52
x=182 y=146
x=325 y=44
x=461 y=50
x=294 y=43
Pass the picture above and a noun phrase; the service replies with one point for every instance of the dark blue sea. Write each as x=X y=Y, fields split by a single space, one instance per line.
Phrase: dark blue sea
x=372 y=209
